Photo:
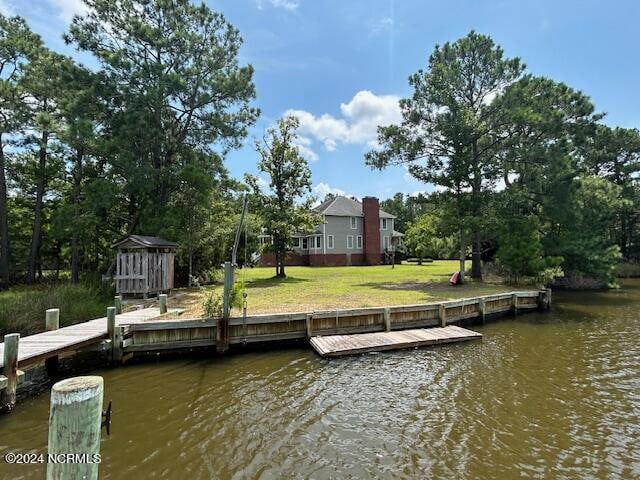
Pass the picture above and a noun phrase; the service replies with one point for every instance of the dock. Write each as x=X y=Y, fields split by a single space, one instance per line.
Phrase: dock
x=330 y=332
x=41 y=346
x=354 y=344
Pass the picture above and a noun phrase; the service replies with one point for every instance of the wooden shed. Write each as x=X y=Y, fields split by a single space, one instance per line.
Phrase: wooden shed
x=144 y=265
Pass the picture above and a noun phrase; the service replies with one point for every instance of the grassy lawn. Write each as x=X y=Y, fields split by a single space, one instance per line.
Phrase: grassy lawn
x=327 y=288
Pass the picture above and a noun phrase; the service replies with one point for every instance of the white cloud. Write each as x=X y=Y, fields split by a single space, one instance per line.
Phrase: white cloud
x=68 y=8
x=360 y=118
x=289 y=5
x=304 y=148
x=323 y=189
x=6 y=9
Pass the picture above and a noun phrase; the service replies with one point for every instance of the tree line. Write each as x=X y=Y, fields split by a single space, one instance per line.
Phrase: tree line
x=133 y=144
x=526 y=172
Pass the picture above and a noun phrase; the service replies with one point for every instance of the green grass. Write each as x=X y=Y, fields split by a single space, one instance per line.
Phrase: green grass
x=22 y=308
x=327 y=288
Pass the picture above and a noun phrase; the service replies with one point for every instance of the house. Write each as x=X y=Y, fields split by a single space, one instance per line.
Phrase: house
x=351 y=233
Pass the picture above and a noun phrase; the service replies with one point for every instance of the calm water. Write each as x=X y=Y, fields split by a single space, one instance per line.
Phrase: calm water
x=553 y=396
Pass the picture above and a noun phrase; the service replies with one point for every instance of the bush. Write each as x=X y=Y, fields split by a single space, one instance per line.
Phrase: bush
x=627 y=270
x=213 y=303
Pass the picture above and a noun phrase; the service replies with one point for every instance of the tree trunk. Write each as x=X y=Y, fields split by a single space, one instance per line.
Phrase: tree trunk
x=190 y=267
x=34 y=251
x=476 y=256
x=463 y=254
x=75 y=247
x=4 y=221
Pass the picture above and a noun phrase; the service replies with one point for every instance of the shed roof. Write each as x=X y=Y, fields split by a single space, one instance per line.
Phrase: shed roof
x=146 y=241
x=341 y=206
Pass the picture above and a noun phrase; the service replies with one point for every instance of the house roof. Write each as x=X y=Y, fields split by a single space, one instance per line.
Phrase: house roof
x=146 y=241
x=341 y=206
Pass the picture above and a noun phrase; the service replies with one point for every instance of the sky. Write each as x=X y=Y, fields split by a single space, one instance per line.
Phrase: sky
x=341 y=66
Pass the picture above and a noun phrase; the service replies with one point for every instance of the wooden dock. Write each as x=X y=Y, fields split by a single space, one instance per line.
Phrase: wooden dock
x=340 y=345
x=37 y=348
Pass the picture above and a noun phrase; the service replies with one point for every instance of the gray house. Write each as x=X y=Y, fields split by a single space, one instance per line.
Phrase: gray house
x=351 y=233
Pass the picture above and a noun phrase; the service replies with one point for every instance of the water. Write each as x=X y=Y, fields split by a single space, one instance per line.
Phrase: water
x=550 y=396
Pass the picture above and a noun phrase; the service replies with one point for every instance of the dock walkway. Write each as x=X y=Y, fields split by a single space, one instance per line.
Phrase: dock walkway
x=339 y=345
x=36 y=348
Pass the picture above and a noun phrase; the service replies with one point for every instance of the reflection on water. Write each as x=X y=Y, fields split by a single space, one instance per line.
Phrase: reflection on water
x=542 y=396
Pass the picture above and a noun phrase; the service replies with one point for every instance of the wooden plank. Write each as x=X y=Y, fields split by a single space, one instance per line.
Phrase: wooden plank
x=339 y=345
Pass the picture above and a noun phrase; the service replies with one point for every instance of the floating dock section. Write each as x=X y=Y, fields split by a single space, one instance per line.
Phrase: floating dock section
x=340 y=345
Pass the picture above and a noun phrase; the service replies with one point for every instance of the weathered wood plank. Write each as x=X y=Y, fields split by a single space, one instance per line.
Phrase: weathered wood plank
x=340 y=345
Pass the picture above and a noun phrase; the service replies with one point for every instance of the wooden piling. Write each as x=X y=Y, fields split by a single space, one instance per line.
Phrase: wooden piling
x=482 y=309
x=10 y=371
x=442 y=314
x=162 y=299
x=309 y=321
x=52 y=322
x=387 y=319
x=222 y=324
x=514 y=304
x=75 y=420
x=111 y=322
x=117 y=302
x=117 y=344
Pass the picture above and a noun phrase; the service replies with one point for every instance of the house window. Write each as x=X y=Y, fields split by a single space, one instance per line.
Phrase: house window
x=384 y=223
x=329 y=241
x=359 y=241
x=317 y=242
x=305 y=243
x=349 y=241
x=354 y=223
x=296 y=242
x=385 y=243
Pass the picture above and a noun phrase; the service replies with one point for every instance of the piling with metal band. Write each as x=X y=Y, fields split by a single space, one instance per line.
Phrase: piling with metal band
x=75 y=419
x=10 y=371
x=162 y=299
x=52 y=322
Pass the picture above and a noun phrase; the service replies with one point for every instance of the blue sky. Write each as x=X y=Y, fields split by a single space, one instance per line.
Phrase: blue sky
x=342 y=65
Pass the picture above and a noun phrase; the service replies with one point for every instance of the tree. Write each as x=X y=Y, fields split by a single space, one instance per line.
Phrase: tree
x=17 y=46
x=289 y=183
x=424 y=238
x=406 y=208
x=449 y=131
x=179 y=89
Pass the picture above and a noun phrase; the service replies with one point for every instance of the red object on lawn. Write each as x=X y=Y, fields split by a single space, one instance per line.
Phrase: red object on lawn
x=455 y=278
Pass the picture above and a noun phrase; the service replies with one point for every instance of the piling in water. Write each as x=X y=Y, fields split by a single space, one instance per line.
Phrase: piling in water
x=75 y=420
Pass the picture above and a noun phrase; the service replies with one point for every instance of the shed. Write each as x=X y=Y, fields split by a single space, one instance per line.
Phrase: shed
x=144 y=265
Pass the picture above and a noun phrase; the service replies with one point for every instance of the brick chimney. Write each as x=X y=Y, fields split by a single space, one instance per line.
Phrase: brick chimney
x=371 y=212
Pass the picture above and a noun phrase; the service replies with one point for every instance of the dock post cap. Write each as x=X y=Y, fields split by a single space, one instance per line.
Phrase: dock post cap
x=76 y=389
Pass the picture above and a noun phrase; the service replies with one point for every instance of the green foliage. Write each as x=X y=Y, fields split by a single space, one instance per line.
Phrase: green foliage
x=520 y=253
x=424 y=238
x=213 y=302
x=289 y=182
x=22 y=309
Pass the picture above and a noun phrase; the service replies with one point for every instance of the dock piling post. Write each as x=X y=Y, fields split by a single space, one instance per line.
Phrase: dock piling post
x=309 y=321
x=514 y=304
x=10 y=371
x=117 y=344
x=442 y=314
x=482 y=309
x=222 y=325
x=111 y=328
x=162 y=299
x=52 y=322
x=75 y=420
x=117 y=302
x=387 y=319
